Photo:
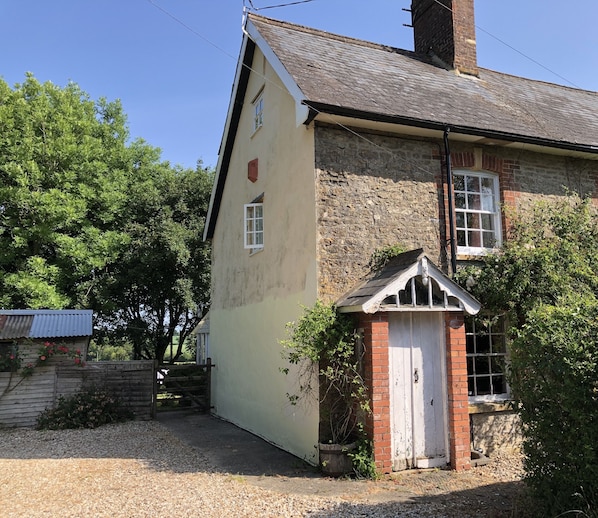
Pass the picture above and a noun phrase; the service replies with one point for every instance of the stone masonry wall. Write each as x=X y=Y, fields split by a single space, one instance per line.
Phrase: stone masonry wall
x=370 y=194
x=375 y=190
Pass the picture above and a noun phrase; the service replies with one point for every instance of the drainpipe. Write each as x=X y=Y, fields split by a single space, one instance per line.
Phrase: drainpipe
x=451 y=204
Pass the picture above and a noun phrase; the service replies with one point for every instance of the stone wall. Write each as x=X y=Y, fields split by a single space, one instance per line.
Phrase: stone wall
x=371 y=193
x=494 y=431
x=375 y=190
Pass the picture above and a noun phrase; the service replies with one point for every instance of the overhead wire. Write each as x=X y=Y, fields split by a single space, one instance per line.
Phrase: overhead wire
x=515 y=49
x=333 y=119
x=280 y=5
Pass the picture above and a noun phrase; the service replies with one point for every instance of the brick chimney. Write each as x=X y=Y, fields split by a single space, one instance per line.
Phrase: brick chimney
x=446 y=29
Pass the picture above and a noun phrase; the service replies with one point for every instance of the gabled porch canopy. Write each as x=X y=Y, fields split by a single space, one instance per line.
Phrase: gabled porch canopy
x=409 y=282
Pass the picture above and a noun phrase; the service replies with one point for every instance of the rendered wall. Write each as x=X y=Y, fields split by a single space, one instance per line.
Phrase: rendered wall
x=255 y=295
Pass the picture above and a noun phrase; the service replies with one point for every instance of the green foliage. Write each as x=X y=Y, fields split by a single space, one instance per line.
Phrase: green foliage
x=325 y=339
x=545 y=280
x=381 y=256
x=87 y=409
x=551 y=251
x=63 y=166
x=555 y=374
x=104 y=350
x=10 y=360
x=362 y=459
x=88 y=221
x=159 y=289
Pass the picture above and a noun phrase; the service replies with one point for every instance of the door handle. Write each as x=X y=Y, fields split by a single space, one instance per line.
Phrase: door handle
x=415 y=376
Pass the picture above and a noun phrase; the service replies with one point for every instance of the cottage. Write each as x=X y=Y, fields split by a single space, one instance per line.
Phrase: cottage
x=335 y=147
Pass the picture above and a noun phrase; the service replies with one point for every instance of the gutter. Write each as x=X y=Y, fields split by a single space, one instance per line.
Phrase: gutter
x=317 y=108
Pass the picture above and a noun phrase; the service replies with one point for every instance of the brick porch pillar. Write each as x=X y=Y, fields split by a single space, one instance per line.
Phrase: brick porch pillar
x=456 y=368
x=376 y=372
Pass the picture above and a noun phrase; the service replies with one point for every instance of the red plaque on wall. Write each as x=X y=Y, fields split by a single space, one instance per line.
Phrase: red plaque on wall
x=252 y=170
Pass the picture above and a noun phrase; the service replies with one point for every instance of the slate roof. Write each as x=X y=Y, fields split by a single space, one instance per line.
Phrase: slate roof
x=368 y=296
x=349 y=77
x=338 y=72
x=376 y=281
x=45 y=323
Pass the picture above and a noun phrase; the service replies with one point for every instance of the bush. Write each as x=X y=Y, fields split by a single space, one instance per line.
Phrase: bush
x=87 y=409
x=555 y=379
x=544 y=279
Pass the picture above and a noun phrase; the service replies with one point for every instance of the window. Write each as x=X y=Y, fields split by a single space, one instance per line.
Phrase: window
x=486 y=358
x=477 y=212
x=258 y=112
x=254 y=226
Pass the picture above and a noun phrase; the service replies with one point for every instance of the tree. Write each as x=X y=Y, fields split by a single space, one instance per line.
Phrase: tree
x=63 y=167
x=545 y=280
x=90 y=221
x=160 y=286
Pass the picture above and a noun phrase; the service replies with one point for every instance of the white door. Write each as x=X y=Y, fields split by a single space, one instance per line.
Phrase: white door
x=418 y=390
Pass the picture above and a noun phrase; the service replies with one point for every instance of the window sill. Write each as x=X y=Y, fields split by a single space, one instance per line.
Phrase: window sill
x=477 y=255
x=255 y=131
x=487 y=407
x=254 y=251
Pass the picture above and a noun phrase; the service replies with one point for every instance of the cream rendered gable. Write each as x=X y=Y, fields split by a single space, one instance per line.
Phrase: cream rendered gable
x=253 y=296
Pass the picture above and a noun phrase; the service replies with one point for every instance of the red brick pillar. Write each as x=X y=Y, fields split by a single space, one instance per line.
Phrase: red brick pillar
x=376 y=367
x=456 y=367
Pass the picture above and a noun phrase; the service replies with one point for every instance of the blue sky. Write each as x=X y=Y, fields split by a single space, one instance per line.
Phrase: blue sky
x=174 y=77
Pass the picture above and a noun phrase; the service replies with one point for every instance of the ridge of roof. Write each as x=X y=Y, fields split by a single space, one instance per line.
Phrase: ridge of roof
x=334 y=36
x=396 y=50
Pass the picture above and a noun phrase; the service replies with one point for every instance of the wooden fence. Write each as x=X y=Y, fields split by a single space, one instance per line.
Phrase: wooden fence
x=131 y=382
x=22 y=400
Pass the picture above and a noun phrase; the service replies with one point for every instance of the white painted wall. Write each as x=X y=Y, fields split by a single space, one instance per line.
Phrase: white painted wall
x=254 y=296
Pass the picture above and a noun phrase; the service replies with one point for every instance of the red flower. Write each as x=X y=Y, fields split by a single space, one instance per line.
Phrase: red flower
x=42 y=358
x=77 y=361
x=12 y=356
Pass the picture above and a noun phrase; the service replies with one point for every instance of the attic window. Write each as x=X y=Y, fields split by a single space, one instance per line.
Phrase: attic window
x=258 y=111
x=420 y=293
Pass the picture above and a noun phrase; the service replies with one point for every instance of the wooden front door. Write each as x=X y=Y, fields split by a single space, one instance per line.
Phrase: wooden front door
x=418 y=390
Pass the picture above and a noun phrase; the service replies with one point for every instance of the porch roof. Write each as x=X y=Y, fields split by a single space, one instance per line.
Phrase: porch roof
x=409 y=282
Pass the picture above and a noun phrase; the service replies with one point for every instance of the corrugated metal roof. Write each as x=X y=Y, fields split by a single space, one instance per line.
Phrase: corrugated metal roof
x=45 y=323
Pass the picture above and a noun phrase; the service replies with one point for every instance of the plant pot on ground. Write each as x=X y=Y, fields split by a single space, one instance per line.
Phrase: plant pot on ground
x=325 y=345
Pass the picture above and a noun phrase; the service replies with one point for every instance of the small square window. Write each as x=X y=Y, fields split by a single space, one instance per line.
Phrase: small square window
x=254 y=226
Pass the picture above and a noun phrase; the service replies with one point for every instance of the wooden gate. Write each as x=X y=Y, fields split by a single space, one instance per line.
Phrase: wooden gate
x=183 y=386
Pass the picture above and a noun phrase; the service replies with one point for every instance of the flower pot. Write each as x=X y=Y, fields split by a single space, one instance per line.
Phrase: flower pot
x=334 y=459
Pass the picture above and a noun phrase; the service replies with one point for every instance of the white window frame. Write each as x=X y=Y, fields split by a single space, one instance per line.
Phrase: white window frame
x=258 y=112
x=475 y=211
x=493 y=351
x=253 y=224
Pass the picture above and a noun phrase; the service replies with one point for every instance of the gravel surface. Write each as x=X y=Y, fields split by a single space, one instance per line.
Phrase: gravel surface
x=139 y=469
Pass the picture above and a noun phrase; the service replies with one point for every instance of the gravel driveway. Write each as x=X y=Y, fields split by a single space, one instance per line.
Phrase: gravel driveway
x=141 y=469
